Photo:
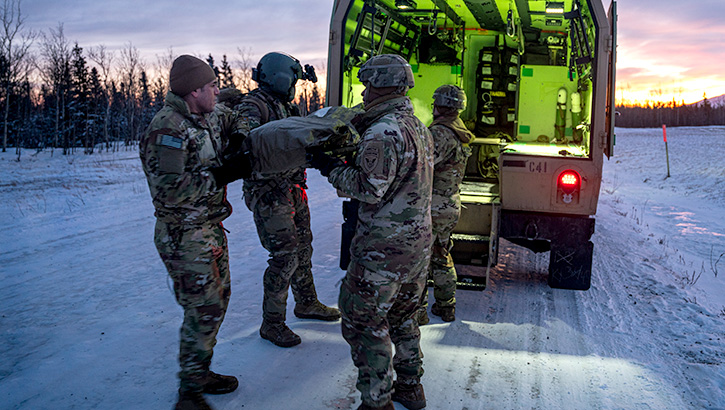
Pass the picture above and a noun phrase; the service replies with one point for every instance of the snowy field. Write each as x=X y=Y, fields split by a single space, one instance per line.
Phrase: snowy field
x=88 y=320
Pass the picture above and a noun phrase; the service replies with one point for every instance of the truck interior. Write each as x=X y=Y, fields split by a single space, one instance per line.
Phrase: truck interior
x=527 y=67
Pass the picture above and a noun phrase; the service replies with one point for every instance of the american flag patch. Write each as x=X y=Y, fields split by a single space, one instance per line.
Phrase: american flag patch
x=170 y=141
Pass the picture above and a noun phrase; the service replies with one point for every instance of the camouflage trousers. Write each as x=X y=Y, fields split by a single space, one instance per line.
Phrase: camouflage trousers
x=376 y=311
x=442 y=270
x=282 y=218
x=197 y=259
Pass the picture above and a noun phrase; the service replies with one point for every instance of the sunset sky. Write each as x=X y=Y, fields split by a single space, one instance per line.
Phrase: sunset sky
x=667 y=50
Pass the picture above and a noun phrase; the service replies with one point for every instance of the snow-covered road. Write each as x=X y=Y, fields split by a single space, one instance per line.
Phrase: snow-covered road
x=88 y=321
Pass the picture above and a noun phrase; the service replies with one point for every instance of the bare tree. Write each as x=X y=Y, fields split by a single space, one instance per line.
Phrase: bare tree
x=13 y=54
x=103 y=59
x=54 y=67
x=161 y=73
x=25 y=73
x=309 y=97
x=130 y=67
x=244 y=79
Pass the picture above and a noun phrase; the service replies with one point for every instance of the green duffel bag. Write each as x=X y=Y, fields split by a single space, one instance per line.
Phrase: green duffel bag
x=282 y=145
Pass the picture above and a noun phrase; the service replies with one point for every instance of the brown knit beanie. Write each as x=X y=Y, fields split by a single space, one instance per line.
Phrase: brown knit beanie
x=189 y=73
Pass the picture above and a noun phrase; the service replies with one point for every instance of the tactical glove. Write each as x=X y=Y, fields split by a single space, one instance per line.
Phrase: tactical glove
x=323 y=162
x=237 y=166
x=234 y=146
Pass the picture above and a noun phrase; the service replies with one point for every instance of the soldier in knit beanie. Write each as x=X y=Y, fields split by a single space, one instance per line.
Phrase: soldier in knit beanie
x=189 y=73
x=182 y=152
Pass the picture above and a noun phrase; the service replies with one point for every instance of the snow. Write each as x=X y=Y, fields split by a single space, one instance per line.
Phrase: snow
x=89 y=322
x=715 y=102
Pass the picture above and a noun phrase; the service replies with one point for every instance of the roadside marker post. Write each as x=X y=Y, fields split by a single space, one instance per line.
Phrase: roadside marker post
x=667 y=152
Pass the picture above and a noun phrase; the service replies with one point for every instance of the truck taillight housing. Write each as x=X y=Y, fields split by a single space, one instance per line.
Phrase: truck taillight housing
x=569 y=181
x=568 y=185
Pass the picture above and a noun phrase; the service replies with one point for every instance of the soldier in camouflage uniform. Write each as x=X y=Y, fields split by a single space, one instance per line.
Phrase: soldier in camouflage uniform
x=392 y=178
x=279 y=204
x=451 y=138
x=181 y=152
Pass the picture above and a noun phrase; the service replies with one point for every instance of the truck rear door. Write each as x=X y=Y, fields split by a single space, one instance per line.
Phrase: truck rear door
x=611 y=83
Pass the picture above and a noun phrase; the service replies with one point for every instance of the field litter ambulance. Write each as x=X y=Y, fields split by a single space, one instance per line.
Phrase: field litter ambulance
x=540 y=80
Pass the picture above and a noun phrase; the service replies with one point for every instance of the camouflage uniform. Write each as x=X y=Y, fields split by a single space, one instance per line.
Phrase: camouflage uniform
x=451 y=140
x=392 y=178
x=176 y=151
x=279 y=204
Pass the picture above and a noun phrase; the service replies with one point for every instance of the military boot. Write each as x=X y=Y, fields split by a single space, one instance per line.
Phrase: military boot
x=421 y=316
x=316 y=310
x=388 y=406
x=279 y=334
x=219 y=384
x=192 y=401
x=411 y=397
x=447 y=313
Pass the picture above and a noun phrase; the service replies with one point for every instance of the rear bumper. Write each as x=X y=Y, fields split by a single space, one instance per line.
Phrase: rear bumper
x=522 y=227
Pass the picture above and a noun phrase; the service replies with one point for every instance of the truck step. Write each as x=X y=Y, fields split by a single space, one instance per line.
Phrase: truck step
x=471 y=282
x=469 y=238
x=468 y=282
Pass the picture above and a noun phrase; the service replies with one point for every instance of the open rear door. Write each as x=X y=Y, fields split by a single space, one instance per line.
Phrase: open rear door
x=611 y=82
x=336 y=51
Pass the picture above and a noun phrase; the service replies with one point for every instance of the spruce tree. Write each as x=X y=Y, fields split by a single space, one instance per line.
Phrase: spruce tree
x=210 y=60
x=78 y=105
x=226 y=76
x=315 y=102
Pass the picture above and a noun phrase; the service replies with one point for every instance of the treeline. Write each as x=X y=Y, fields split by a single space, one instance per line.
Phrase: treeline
x=65 y=97
x=652 y=115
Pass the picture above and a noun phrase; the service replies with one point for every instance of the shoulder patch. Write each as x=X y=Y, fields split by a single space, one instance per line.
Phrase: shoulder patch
x=372 y=158
x=170 y=141
x=171 y=161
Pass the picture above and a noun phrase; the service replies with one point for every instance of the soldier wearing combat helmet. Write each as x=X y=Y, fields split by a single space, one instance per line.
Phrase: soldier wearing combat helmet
x=279 y=204
x=391 y=178
x=181 y=153
x=451 y=138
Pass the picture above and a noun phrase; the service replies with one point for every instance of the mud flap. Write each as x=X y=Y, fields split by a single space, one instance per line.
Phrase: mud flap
x=570 y=257
x=570 y=265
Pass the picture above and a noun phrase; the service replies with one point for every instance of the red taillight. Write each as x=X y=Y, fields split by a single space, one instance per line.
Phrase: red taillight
x=569 y=181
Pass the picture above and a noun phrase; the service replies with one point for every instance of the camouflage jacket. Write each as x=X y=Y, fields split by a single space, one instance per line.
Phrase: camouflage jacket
x=392 y=178
x=451 y=139
x=258 y=108
x=176 y=152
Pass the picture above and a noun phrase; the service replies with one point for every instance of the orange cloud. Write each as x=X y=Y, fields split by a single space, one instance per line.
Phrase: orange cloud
x=670 y=51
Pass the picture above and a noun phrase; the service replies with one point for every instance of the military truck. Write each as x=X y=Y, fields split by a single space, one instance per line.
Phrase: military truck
x=540 y=81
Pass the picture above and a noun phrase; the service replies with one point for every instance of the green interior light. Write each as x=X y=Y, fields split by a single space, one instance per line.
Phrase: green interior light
x=554 y=7
x=405 y=4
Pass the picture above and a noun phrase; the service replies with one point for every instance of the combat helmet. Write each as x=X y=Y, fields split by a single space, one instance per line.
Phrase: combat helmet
x=386 y=70
x=449 y=95
x=279 y=73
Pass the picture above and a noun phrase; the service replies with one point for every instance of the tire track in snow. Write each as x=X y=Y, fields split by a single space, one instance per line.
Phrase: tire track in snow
x=647 y=317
